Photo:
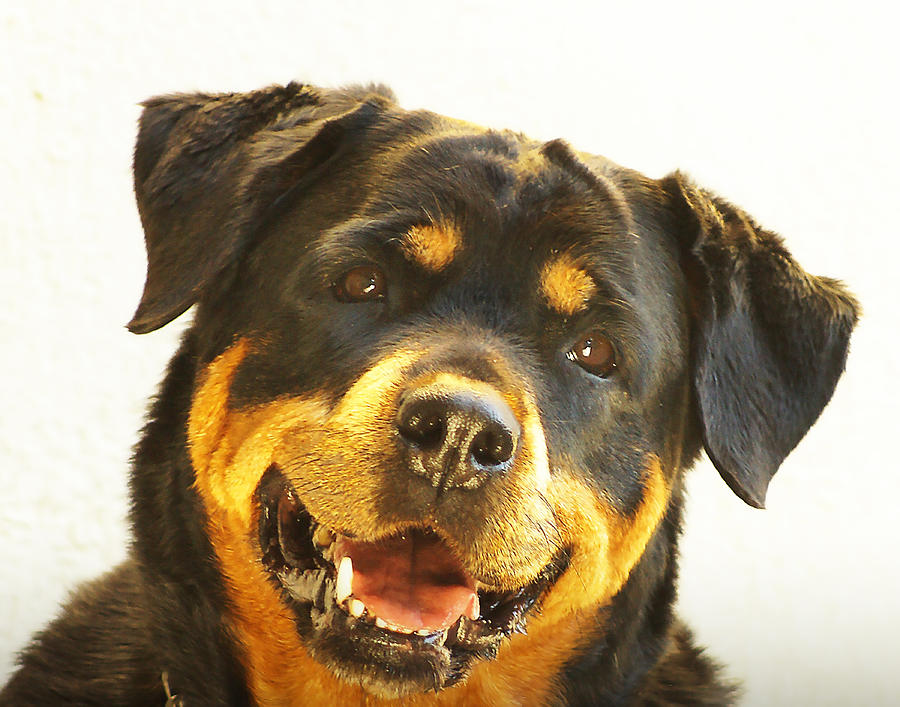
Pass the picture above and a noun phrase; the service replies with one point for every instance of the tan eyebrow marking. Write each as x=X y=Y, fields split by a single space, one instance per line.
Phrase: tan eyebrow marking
x=565 y=285
x=433 y=247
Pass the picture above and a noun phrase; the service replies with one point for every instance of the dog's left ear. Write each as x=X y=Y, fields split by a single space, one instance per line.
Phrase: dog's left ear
x=769 y=340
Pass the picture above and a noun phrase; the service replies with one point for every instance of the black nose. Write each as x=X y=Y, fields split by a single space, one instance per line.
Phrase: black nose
x=457 y=438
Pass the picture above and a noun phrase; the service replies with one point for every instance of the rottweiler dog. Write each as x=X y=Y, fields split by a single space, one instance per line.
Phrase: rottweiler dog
x=425 y=440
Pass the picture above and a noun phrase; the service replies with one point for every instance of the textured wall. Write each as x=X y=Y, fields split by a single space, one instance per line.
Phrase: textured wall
x=789 y=113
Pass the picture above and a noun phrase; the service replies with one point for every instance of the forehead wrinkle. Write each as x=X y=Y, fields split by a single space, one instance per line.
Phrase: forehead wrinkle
x=463 y=171
x=361 y=239
x=561 y=154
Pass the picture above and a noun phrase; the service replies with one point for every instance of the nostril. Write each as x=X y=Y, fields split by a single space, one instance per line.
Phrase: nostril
x=492 y=446
x=423 y=424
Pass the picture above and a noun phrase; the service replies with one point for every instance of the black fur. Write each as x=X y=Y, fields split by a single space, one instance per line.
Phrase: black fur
x=252 y=202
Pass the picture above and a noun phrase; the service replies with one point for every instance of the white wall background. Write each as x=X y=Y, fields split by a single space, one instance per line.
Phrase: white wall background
x=789 y=111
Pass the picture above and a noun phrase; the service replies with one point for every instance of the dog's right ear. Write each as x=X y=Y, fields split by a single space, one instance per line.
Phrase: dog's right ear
x=207 y=167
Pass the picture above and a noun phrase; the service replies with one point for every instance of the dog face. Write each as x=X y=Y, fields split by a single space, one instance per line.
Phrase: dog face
x=449 y=378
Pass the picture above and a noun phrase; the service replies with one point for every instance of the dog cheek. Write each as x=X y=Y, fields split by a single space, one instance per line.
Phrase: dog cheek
x=339 y=479
x=341 y=476
x=231 y=449
x=605 y=543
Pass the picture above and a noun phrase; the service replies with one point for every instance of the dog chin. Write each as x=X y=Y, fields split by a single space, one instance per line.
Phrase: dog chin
x=385 y=668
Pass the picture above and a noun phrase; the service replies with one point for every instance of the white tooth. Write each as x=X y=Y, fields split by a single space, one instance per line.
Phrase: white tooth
x=356 y=608
x=424 y=632
x=344 y=587
x=380 y=623
x=473 y=610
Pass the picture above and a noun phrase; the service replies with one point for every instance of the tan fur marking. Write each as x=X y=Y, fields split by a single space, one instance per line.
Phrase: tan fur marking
x=565 y=285
x=606 y=544
x=230 y=451
x=433 y=247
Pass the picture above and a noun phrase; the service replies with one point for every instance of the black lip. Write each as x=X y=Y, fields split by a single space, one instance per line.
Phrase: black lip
x=307 y=583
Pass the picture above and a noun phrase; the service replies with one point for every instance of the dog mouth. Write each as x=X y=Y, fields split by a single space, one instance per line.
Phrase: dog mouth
x=407 y=593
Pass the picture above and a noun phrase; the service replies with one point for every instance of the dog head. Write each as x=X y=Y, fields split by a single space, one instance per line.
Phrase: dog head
x=448 y=379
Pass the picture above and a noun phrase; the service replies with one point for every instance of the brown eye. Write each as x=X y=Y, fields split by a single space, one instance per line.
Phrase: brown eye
x=363 y=284
x=595 y=354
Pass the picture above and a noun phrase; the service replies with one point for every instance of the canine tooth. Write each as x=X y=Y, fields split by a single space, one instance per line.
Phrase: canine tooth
x=344 y=585
x=356 y=608
x=473 y=610
x=323 y=537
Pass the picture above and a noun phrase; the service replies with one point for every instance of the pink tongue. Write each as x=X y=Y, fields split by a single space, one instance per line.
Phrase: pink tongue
x=412 y=580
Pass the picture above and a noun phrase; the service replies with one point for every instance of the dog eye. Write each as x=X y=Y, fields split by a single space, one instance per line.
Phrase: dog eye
x=363 y=284
x=595 y=354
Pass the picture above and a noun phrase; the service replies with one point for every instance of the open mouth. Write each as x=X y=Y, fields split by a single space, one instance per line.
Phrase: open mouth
x=404 y=601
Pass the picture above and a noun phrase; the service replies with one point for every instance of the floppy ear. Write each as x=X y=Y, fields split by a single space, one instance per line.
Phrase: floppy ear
x=207 y=167
x=769 y=342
